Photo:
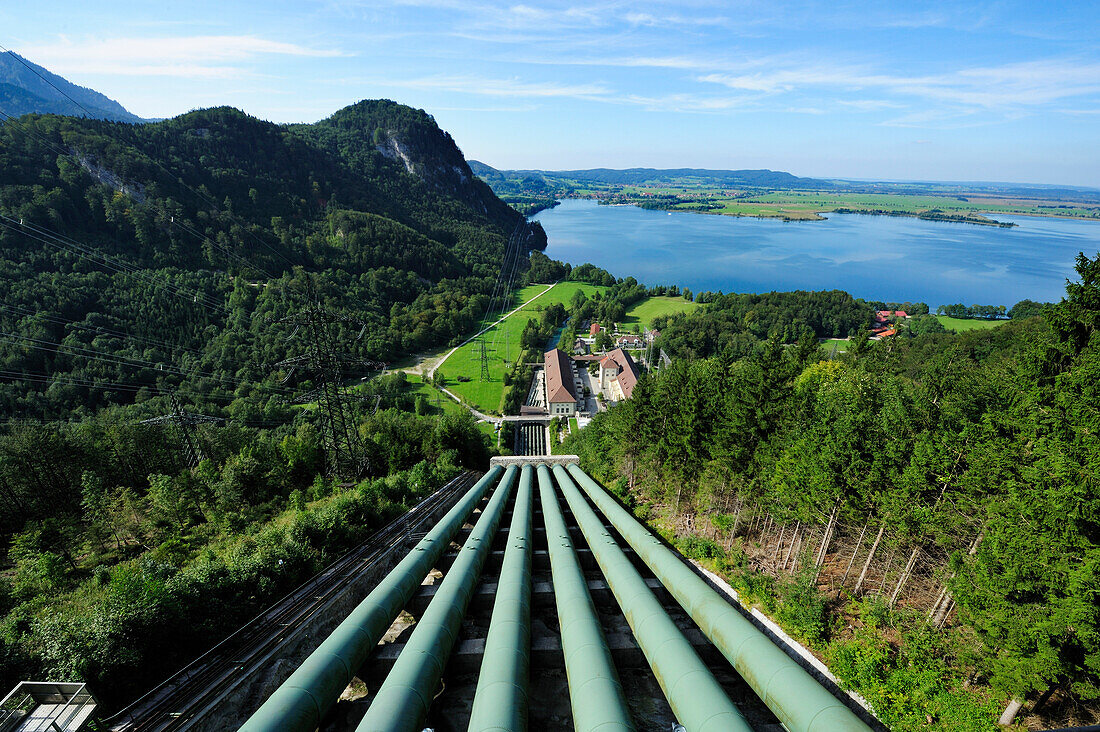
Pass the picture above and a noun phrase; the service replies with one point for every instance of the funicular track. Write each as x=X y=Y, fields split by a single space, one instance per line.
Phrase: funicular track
x=179 y=700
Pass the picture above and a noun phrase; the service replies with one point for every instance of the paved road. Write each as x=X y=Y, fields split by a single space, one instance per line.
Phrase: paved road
x=431 y=372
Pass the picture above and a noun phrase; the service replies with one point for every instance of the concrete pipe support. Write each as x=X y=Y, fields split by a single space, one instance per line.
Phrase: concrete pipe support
x=300 y=703
x=595 y=694
x=793 y=695
x=698 y=701
x=402 y=701
x=500 y=701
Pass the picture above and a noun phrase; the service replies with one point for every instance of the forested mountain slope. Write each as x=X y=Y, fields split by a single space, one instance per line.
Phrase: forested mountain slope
x=26 y=87
x=219 y=215
x=147 y=268
x=653 y=176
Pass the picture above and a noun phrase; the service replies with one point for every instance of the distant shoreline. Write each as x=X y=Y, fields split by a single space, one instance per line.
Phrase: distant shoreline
x=821 y=215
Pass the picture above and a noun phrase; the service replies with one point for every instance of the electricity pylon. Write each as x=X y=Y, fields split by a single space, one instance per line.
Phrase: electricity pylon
x=344 y=455
x=483 y=356
x=185 y=423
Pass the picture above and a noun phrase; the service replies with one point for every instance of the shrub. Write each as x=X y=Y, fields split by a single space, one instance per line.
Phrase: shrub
x=696 y=547
x=802 y=609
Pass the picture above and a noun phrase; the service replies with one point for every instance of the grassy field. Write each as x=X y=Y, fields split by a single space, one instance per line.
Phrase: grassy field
x=439 y=402
x=504 y=342
x=960 y=324
x=644 y=311
x=833 y=346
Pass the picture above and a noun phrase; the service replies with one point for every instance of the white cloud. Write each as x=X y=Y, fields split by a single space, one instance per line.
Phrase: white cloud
x=1009 y=87
x=498 y=87
x=869 y=105
x=209 y=56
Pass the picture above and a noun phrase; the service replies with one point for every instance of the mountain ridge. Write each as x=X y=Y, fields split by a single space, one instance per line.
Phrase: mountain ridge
x=223 y=204
x=26 y=87
x=635 y=176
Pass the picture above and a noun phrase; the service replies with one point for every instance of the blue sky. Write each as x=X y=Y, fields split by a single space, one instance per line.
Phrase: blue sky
x=1006 y=91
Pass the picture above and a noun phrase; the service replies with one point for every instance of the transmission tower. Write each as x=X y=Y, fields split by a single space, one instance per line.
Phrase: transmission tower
x=344 y=455
x=483 y=356
x=185 y=423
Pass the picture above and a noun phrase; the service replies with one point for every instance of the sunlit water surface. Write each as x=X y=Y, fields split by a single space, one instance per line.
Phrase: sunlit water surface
x=873 y=257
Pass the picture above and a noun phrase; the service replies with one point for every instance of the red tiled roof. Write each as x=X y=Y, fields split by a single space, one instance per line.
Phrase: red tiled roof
x=628 y=371
x=559 y=377
x=594 y=330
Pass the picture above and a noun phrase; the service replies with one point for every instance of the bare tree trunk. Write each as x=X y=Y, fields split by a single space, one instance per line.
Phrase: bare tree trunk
x=1010 y=712
x=945 y=608
x=790 y=549
x=870 y=556
x=797 y=549
x=859 y=543
x=779 y=544
x=828 y=537
x=1044 y=698
x=736 y=518
x=936 y=604
x=905 y=575
x=886 y=571
x=945 y=611
x=938 y=614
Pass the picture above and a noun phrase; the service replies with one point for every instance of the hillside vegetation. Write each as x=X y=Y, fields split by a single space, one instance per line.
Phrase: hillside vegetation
x=923 y=511
x=176 y=265
x=210 y=222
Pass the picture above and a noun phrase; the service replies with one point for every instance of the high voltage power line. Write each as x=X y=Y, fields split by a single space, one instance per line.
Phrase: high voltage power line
x=195 y=191
x=332 y=415
x=60 y=241
x=97 y=329
x=92 y=354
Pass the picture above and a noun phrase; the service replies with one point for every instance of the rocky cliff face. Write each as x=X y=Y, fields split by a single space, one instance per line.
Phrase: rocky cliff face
x=410 y=139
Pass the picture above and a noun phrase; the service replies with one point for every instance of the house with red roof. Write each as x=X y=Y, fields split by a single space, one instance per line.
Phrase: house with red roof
x=882 y=316
x=618 y=374
x=560 y=381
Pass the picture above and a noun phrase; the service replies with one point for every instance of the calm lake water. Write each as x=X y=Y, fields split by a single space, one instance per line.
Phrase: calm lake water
x=873 y=257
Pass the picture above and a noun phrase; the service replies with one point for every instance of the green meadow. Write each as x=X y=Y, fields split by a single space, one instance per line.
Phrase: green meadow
x=644 y=311
x=960 y=324
x=462 y=370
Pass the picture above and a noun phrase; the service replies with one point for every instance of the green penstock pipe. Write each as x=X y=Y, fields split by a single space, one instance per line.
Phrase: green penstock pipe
x=595 y=694
x=698 y=701
x=402 y=701
x=500 y=701
x=303 y=699
x=795 y=697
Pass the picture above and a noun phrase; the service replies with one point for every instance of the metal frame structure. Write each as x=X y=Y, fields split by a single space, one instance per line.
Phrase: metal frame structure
x=47 y=706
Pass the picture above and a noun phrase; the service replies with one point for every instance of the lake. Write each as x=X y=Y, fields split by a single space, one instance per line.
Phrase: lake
x=873 y=257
